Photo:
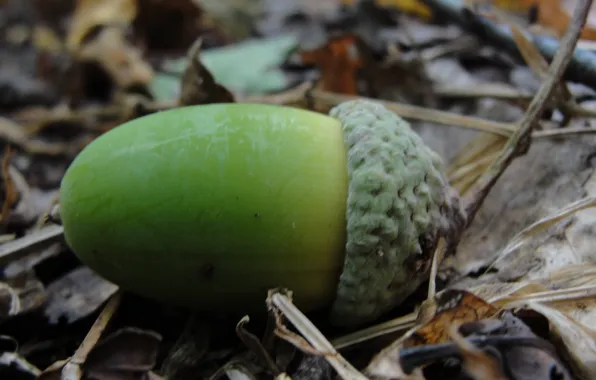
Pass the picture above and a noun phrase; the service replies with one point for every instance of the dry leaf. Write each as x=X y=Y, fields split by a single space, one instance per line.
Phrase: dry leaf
x=339 y=61
x=477 y=363
x=198 y=84
x=11 y=194
x=122 y=61
x=448 y=307
x=452 y=306
x=415 y=7
x=567 y=298
x=90 y=14
x=556 y=15
x=578 y=339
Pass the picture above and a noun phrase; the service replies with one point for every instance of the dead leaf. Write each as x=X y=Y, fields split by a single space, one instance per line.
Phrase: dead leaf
x=476 y=362
x=256 y=346
x=578 y=339
x=552 y=15
x=435 y=318
x=118 y=57
x=90 y=14
x=188 y=354
x=198 y=84
x=122 y=354
x=556 y=15
x=127 y=354
x=21 y=295
x=415 y=7
x=11 y=194
x=15 y=366
x=567 y=298
x=452 y=306
x=10 y=304
x=77 y=295
x=339 y=62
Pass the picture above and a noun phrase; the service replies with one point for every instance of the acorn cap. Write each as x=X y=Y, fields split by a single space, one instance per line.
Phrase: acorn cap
x=399 y=204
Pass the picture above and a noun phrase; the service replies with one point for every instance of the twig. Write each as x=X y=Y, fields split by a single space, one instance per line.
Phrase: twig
x=407 y=111
x=72 y=369
x=385 y=328
x=519 y=142
x=581 y=68
x=281 y=302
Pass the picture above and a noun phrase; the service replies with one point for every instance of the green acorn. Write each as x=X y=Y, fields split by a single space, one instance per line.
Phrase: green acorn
x=210 y=206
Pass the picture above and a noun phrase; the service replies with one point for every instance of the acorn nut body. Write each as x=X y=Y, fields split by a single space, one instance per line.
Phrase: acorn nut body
x=210 y=206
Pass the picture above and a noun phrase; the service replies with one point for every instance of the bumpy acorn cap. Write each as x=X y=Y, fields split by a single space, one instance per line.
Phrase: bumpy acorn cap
x=399 y=204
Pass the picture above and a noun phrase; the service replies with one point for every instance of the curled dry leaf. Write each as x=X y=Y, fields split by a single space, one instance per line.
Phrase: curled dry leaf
x=198 y=84
x=477 y=363
x=512 y=346
x=21 y=295
x=115 y=54
x=123 y=353
x=256 y=347
x=91 y=14
x=15 y=366
x=10 y=304
x=97 y=34
x=448 y=307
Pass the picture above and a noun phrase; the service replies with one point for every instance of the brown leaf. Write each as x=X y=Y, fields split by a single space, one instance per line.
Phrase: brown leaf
x=118 y=57
x=11 y=194
x=556 y=15
x=125 y=354
x=452 y=306
x=339 y=62
x=477 y=363
x=90 y=14
x=198 y=84
x=415 y=7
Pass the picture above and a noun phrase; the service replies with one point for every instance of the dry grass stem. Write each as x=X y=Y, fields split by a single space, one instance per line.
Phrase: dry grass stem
x=398 y=324
x=314 y=337
x=526 y=235
x=72 y=369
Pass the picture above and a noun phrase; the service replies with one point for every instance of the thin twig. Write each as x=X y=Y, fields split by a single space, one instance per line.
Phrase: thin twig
x=394 y=325
x=326 y=99
x=519 y=142
x=582 y=65
x=72 y=369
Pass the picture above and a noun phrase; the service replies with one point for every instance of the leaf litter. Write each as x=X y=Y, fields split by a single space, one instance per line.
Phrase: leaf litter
x=513 y=299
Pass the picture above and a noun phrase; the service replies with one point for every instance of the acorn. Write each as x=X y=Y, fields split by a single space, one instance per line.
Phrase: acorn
x=210 y=206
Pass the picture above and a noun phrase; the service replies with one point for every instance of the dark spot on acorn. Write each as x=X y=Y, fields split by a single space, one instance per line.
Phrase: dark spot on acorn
x=376 y=231
x=207 y=271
